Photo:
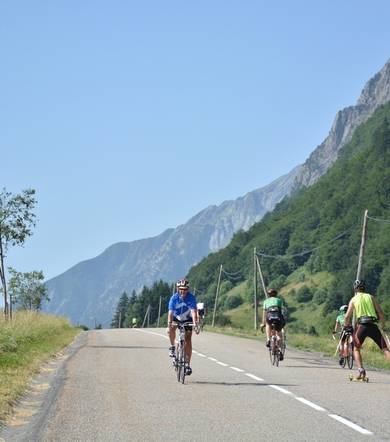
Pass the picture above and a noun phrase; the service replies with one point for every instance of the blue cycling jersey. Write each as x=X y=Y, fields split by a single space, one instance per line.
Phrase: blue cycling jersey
x=182 y=307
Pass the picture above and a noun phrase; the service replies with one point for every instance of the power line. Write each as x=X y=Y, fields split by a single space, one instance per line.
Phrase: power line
x=306 y=252
x=379 y=220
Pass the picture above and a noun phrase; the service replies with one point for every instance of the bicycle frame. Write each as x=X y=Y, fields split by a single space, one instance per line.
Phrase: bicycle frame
x=180 y=358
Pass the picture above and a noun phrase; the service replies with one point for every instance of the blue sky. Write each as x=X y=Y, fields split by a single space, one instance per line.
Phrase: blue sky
x=130 y=117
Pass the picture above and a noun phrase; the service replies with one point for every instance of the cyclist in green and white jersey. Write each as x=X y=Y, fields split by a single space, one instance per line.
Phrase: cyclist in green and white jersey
x=339 y=324
x=272 y=314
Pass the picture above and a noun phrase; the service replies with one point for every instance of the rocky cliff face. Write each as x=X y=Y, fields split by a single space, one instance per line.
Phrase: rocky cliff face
x=375 y=93
x=89 y=291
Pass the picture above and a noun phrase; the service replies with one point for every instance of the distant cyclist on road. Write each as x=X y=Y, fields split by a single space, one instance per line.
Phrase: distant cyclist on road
x=201 y=313
x=272 y=313
x=345 y=330
x=367 y=312
x=182 y=309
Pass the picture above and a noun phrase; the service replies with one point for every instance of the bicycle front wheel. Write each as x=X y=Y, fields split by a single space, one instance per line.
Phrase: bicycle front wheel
x=180 y=362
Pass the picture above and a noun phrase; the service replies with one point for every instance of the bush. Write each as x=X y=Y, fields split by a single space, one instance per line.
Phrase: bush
x=233 y=301
x=304 y=294
x=320 y=296
x=222 y=320
x=278 y=282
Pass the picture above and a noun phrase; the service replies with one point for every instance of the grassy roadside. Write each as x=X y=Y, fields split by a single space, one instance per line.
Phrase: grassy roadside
x=25 y=343
x=372 y=356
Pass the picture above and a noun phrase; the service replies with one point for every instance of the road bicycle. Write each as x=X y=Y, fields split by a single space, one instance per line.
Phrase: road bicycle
x=179 y=361
x=346 y=355
x=277 y=346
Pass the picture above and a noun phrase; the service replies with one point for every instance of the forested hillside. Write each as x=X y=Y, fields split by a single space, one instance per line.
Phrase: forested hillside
x=326 y=217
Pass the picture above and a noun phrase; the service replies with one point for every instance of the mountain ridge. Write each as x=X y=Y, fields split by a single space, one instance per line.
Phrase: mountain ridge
x=171 y=254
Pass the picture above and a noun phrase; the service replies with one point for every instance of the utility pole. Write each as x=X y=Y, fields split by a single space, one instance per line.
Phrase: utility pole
x=159 y=312
x=216 y=295
x=255 y=289
x=120 y=320
x=148 y=315
x=261 y=277
x=362 y=244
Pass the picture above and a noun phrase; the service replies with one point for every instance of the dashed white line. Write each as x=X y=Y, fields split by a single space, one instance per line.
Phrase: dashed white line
x=350 y=424
x=310 y=404
x=276 y=387
x=282 y=390
x=250 y=375
x=237 y=369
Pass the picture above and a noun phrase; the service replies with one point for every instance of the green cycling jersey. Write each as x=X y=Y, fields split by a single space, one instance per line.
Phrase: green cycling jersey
x=272 y=302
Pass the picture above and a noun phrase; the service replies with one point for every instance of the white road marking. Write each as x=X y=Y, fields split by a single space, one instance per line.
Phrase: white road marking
x=276 y=387
x=237 y=369
x=350 y=424
x=254 y=377
x=282 y=390
x=310 y=404
x=150 y=333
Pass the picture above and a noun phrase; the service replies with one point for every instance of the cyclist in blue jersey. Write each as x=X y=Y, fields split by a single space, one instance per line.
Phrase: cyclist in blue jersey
x=182 y=308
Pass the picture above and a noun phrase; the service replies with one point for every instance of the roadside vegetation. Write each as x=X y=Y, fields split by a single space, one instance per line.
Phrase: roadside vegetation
x=27 y=341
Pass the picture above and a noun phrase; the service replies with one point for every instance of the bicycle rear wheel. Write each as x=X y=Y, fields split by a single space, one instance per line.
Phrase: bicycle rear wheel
x=350 y=355
x=274 y=351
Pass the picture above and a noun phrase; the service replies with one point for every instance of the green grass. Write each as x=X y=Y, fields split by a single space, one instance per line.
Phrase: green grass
x=25 y=343
x=304 y=317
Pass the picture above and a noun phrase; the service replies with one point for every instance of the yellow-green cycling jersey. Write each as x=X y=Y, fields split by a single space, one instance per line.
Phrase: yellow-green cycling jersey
x=363 y=305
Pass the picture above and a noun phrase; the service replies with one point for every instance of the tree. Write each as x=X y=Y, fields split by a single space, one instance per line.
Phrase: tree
x=120 y=313
x=27 y=289
x=16 y=221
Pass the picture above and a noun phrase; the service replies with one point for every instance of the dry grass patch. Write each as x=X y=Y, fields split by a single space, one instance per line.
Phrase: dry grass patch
x=25 y=343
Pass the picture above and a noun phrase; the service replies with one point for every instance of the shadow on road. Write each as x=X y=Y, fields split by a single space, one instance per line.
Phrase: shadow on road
x=245 y=384
x=129 y=347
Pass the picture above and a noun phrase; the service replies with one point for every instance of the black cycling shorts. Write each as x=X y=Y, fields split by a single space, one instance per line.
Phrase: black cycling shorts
x=346 y=333
x=372 y=331
x=276 y=320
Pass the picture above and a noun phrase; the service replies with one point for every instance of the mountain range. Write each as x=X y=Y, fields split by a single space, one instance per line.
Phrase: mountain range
x=88 y=292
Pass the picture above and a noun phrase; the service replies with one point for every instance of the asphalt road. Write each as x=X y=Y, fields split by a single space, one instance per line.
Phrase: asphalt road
x=119 y=385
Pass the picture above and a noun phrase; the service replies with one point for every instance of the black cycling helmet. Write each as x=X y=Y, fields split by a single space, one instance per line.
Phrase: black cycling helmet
x=343 y=308
x=182 y=284
x=359 y=284
x=272 y=292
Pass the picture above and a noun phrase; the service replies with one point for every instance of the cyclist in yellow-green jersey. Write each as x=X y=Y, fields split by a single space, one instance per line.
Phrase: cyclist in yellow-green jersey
x=367 y=313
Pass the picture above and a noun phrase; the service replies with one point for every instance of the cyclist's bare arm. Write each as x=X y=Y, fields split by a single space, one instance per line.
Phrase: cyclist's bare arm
x=379 y=311
x=348 y=315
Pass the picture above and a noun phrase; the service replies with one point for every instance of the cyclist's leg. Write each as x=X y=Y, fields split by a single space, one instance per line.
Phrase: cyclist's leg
x=268 y=332
x=172 y=337
x=358 y=338
x=188 y=345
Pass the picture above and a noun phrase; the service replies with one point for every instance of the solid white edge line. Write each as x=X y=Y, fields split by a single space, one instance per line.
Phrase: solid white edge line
x=350 y=424
x=201 y=355
x=282 y=390
x=237 y=369
x=212 y=359
x=222 y=363
x=310 y=404
x=254 y=377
